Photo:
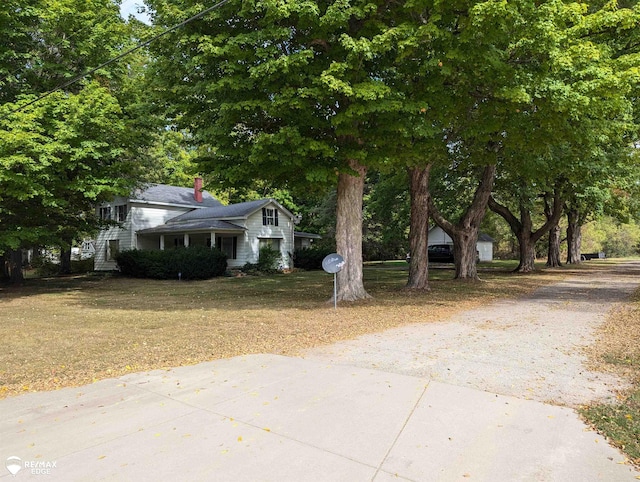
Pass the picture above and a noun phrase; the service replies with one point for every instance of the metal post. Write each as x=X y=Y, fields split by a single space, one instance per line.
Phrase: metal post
x=335 y=291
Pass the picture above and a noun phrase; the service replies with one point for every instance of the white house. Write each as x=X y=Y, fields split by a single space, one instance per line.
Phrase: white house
x=484 y=244
x=165 y=217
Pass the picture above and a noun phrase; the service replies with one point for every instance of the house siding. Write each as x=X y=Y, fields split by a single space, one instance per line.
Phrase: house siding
x=142 y=216
x=485 y=250
x=139 y=216
x=256 y=231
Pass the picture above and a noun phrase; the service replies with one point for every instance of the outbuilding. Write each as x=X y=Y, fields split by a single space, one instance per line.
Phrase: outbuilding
x=484 y=245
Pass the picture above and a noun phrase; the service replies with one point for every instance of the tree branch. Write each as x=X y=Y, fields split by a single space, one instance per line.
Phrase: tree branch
x=551 y=220
x=503 y=211
x=446 y=225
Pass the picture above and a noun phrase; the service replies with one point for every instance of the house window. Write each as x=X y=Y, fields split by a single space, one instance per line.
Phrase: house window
x=269 y=217
x=121 y=213
x=105 y=213
x=178 y=242
x=113 y=246
x=273 y=243
x=228 y=245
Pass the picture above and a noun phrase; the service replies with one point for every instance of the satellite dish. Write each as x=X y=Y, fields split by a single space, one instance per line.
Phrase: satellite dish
x=333 y=263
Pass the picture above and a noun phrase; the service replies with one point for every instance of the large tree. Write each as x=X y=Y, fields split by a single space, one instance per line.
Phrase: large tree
x=522 y=224
x=64 y=144
x=578 y=111
x=58 y=160
x=288 y=91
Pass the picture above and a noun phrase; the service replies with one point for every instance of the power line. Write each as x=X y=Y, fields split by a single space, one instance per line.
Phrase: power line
x=120 y=56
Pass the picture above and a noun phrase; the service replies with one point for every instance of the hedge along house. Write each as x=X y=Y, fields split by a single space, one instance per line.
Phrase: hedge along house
x=168 y=217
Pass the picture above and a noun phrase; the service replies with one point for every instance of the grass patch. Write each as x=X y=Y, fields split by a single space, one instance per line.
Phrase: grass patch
x=618 y=351
x=62 y=332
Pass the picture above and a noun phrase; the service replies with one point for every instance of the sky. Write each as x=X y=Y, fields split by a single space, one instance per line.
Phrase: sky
x=129 y=7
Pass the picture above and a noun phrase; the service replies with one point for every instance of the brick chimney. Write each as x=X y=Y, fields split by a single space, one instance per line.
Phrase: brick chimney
x=197 y=189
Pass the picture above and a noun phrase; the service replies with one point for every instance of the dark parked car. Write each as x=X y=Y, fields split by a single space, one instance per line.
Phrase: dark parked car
x=438 y=253
x=441 y=253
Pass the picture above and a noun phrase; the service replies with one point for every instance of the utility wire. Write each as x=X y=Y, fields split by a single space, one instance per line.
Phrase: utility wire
x=120 y=56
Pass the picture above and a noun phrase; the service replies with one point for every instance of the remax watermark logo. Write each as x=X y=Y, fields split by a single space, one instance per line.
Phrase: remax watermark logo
x=35 y=467
x=14 y=465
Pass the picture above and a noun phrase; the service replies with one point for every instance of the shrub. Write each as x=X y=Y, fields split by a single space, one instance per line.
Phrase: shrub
x=82 y=265
x=45 y=267
x=196 y=262
x=269 y=261
x=310 y=258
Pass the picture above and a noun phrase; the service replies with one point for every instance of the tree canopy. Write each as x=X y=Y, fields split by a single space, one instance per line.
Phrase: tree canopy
x=64 y=146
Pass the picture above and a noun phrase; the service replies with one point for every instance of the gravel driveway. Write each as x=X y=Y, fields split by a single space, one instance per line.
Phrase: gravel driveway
x=531 y=348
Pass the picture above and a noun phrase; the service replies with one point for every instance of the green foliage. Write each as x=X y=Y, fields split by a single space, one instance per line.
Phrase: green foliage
x=310 y=258
x=299 y=87
x=45 y=268
x=386 y=216
x=58 y=160
x=614 y=238
x=191 y=263
x=79 y=266
x=269 y=262
x=68 y=151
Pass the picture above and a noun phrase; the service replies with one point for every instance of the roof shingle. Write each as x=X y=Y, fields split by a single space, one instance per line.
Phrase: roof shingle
x=239 y=210
x=162 y=193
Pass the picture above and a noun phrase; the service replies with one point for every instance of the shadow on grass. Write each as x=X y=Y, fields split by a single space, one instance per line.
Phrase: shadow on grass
x=309 y=290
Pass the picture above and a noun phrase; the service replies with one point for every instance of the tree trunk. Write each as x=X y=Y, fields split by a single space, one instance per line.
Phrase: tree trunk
x=553 y=252
x=553 y=256
x=465 y=233
x=523 y=229
x=13 y=266
x=527 y=252
x=419 y=229
x=349 y=233
x=65 y=260
x=4 y=267
x=527 y=248
x=574 y=237
x=465 y=254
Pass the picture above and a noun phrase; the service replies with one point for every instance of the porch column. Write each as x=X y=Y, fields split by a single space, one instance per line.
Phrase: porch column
x=213 y=239
x=162 y=242
x=186 y=240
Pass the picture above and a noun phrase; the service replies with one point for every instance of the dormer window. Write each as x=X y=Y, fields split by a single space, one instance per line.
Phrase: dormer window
x=105 y=213
x=269 y=217
x=121 y=213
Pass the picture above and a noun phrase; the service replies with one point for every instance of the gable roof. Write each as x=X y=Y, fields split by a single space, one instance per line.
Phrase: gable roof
x=164 y=194
x=485 y=237
x=233 y=211
x=482 y=237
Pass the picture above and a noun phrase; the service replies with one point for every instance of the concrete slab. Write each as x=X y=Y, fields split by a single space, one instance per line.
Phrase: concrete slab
x=271 y=418
x=459 y=434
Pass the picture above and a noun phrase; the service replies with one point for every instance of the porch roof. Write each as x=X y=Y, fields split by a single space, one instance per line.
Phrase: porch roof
x=301 y=234
x=203 y=225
